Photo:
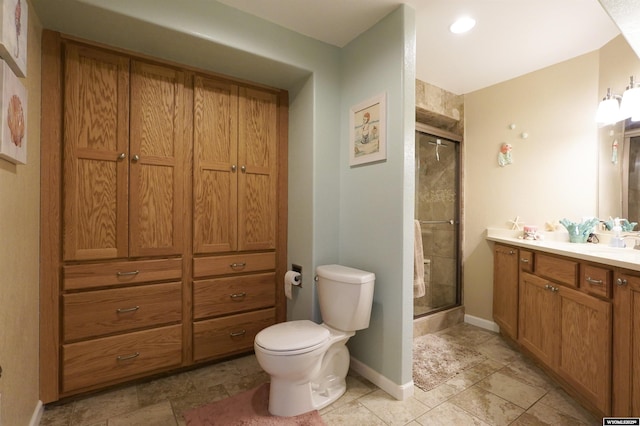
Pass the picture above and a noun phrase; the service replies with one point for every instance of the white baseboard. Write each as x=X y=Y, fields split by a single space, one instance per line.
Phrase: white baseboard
x=399 y=392
x=37 y=414
x=482 y=323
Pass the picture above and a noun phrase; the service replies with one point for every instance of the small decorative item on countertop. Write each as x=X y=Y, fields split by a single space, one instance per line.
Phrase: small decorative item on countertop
x=625 y=225
x=579 y=232
x=515 y=223
x=530 y=232
x=617 y=240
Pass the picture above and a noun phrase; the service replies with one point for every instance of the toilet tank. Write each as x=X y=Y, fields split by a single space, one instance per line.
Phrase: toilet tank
x=345 y=296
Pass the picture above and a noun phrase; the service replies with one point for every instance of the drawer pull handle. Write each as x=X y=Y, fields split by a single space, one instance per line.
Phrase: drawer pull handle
x=594 y=282
x=235 y=296
x=127 y=357
x=238 y=265
x=512 y=252
x=523 y=260
x=238 y=333
x=621 y=281
x=126 y=274
x=125 y=310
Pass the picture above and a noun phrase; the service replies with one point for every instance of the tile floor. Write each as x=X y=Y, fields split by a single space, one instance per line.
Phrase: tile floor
x=505 y=389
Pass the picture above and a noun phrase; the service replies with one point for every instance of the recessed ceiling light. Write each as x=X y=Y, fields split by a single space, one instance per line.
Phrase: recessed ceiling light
x=462 y=25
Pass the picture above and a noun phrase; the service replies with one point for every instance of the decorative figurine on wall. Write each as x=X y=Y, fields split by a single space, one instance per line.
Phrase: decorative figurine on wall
x=504 y=156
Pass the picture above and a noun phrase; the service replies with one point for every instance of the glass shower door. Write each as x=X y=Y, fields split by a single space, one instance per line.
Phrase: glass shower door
x=438 y=212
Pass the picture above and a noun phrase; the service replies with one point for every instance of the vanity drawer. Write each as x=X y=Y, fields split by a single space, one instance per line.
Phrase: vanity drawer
x=223 y=296
x=558 y=269
x=596 y=280
x=111 y=359
x=86 y=276
x=526 y=261
x=102 y=312
x=233 y=264
x=229 y=335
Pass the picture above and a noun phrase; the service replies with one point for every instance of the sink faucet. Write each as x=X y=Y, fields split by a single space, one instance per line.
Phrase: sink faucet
x=634 y=237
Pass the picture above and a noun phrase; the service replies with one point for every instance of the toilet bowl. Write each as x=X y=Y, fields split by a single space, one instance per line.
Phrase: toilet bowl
x=310 y=374
x=308 y=362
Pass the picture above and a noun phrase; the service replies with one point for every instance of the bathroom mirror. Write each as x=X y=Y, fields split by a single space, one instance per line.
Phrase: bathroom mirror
x=617 y=143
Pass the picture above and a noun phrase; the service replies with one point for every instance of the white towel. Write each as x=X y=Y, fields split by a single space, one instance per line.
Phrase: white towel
x=419 y=289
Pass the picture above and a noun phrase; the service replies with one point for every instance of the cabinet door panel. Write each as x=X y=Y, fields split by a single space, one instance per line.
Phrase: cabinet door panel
x=584 y=358
x=505 y=289
x=635 y=355
x=156 y=167
x=538 y=318
x=257 y=141
x=95 y=172
x=215 y=134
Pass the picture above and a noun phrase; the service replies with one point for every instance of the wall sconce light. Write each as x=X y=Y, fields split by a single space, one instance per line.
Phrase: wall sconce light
x=608 y=110
x=611 y=110
x=630 y=105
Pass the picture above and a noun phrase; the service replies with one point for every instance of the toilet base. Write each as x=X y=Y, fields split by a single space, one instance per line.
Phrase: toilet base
x=287 y=399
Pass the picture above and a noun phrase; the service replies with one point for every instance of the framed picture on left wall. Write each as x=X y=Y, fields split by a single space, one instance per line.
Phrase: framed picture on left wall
x=13 y=45
x=13 y=142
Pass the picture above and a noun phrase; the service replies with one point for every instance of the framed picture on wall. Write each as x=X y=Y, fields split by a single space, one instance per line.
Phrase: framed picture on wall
x=13 y=45
x=367 y=139
x=13 y=143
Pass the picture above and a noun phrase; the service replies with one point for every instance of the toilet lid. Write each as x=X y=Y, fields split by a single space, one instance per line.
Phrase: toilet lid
x=292 y=336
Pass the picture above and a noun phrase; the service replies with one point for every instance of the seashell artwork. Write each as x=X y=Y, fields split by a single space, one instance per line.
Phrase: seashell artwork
x=13 y=45
x=13 y=142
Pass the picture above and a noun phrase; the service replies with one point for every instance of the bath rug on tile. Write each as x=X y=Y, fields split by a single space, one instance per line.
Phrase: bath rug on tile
x=436 y=360
x=247 y=408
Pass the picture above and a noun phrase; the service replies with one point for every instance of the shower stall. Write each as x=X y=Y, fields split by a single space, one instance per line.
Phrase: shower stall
x=437 y=210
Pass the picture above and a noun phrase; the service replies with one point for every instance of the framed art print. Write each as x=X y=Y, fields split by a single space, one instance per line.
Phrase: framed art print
x=367 y=139
x=13 y=143
x=13 y=46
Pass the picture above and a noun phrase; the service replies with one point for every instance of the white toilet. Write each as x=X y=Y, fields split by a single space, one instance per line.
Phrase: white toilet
x=308 y=362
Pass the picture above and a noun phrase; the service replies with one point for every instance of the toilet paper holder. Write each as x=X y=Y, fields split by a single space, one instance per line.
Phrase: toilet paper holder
x=298 y=269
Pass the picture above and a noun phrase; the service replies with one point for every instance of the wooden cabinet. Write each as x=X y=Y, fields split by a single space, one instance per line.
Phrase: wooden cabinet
x=163 y=218
x=565 y=319
x=538 y=314
x=235 y=140
x=626 y=344
x=123 y=156
x=505 y=289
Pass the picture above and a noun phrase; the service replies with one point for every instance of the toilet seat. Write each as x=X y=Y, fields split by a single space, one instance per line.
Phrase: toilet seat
x=292 y=338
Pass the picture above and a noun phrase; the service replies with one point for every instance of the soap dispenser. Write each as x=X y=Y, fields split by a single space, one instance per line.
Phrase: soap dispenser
x=617 y=241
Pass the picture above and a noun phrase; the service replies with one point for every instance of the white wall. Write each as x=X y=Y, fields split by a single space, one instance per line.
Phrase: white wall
x=377 y=200
x=554 y=171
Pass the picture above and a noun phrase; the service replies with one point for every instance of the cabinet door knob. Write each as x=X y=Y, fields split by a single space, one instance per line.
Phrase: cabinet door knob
x=244 y=169
x=621 y=281
x=233 y=167
x=135 y=158
x=122 y=156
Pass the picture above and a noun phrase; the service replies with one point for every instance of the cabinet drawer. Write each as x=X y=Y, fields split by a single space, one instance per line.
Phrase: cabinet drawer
x=229 y=335
x=596 y=280
x=233 y=264
x=222 y=296
x=526 y=261
x=101 y=312
x=557 y=269
x=114 y=358
x=87 y=276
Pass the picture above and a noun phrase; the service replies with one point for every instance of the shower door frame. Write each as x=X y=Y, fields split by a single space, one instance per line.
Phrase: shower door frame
x=434 y=131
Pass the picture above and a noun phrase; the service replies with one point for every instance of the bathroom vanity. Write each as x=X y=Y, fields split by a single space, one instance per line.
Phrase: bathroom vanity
x=575 y=308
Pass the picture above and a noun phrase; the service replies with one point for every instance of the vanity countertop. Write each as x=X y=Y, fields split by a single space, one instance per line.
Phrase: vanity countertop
x=556 y=243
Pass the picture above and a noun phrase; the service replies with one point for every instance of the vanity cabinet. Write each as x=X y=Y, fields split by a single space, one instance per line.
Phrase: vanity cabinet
x=626 y=343
x=164 y=215
x=565 y=321
x=505 y=289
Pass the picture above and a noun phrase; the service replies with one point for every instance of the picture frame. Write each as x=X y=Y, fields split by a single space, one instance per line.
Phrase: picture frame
x=13 y=113
x=368 y=131
x=13 y=45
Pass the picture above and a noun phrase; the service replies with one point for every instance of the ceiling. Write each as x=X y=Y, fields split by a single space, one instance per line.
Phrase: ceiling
x=511 y=37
